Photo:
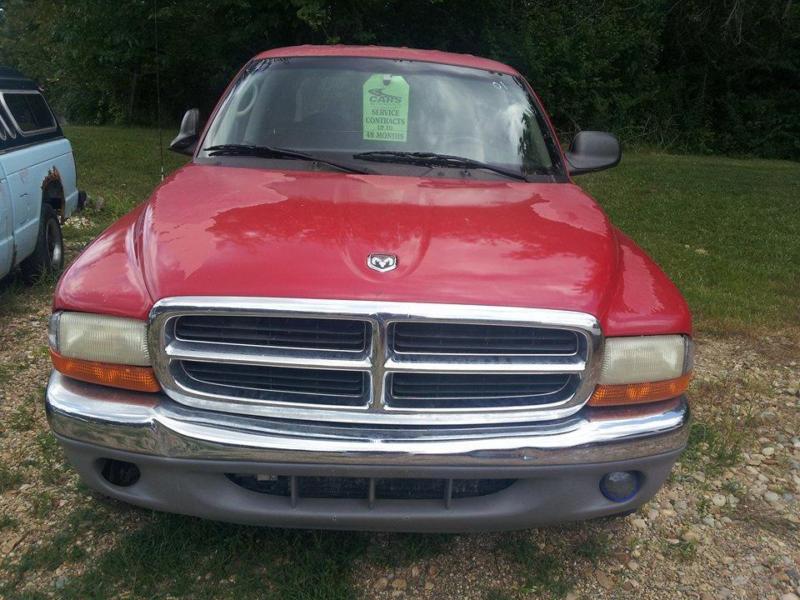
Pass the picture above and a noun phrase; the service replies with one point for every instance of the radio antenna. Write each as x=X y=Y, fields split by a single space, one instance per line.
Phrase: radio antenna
x=158 y=94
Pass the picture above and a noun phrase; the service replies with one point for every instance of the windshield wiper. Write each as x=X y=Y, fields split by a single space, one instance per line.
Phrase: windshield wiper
x=274 y=152
x=432 y=159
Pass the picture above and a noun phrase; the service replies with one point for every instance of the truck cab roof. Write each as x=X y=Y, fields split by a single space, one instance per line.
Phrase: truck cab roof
x=433 y=56
x=11 y=79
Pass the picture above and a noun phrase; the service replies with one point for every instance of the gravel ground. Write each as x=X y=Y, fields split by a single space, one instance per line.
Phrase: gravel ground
x=727 y=525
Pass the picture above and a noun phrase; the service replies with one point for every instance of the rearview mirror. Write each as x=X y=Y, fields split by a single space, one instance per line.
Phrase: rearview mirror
x=186 y=140
x=593 y=151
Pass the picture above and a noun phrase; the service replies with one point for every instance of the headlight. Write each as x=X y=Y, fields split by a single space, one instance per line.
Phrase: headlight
x=99 y=338
x=102 y=349
x=643 y=369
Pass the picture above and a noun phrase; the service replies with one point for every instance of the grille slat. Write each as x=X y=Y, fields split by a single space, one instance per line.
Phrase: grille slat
x=449 y=390
x=315 y=385
x=234 y=372
x=457 y=338
x=281 y=332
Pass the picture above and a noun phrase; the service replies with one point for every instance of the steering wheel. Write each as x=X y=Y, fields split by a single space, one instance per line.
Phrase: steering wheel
x=243 y=110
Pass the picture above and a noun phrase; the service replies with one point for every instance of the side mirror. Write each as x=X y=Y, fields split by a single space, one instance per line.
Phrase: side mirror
x=186 y=140
x=593 y=151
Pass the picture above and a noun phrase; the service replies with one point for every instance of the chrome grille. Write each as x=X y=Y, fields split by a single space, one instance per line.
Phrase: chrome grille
x=374 y=362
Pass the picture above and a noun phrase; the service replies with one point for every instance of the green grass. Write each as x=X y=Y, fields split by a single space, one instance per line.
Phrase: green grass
x=9 y=478
x=683 y=551
x=171 y=556
x=594 y=548
x=402 y=549
x=7 y=522
x=118 y=167
x=717 y=437
x=549 y=569
x=22 y=418
x=544 y=571
x=712 y=447
x=726 y=231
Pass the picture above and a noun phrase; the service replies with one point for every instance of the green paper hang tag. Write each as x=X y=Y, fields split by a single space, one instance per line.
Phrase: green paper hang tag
x=385 y=108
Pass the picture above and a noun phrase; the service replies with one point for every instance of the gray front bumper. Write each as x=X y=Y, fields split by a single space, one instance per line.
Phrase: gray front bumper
x=183 y=455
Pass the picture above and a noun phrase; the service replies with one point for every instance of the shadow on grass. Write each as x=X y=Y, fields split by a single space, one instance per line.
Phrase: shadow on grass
x=16 y=295
x=170 y=556
x=546 y=559
x=175 y=556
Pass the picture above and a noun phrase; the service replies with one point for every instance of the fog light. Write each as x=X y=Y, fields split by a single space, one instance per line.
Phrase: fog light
x=119 y=472
x=619 y=486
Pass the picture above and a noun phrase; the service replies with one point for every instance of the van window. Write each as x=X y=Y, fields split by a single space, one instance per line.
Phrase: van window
x=29 y=111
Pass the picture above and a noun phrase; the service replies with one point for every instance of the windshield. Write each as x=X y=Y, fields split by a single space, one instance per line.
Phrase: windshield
x=338 y=108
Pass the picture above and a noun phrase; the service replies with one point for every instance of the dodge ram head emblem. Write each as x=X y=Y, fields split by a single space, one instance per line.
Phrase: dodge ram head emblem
x=382 y=262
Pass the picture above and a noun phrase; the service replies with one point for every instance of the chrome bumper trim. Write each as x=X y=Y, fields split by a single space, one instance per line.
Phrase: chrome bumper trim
x=155 y=425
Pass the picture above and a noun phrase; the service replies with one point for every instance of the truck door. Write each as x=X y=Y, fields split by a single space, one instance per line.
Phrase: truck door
x=6 y=224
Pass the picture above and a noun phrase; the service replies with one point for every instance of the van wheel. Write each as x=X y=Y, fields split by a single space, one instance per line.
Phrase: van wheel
x=48 y=256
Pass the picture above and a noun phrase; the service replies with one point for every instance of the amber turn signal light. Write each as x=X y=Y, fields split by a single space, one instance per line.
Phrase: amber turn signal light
x=639 y=393
x=140 y=379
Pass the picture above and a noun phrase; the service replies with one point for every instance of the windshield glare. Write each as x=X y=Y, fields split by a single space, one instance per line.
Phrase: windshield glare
x=344 y=106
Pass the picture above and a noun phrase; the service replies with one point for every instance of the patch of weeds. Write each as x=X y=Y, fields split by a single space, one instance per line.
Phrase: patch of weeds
x=22 y=419
x=713 y=448
x=12 y=301
x=58 y=548
x=16 y=297
x=496 y=594
x=7 y=522
x=51 y=464
x=683 y=550
x=6 y=373
x=703 y=506
x=400 y=549
x=9 y=479
x=46 y=282
x=755 y=519
x=31 y=595
x=42 y=505
x=594 y=548
x=544 y=571
x=733 y=487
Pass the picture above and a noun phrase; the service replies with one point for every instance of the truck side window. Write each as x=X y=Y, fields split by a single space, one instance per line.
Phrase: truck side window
x=29 y=111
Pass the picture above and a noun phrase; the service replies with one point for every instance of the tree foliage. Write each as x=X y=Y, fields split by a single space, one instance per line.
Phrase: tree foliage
x=700 y=75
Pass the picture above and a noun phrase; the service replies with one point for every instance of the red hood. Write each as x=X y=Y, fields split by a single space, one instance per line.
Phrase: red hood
x=248 y=232
x=211 y=230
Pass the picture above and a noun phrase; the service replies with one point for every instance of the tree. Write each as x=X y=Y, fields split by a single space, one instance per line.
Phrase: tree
x=707 y=75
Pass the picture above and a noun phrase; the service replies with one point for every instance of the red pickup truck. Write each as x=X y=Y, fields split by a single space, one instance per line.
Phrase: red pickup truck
x=374 y=299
